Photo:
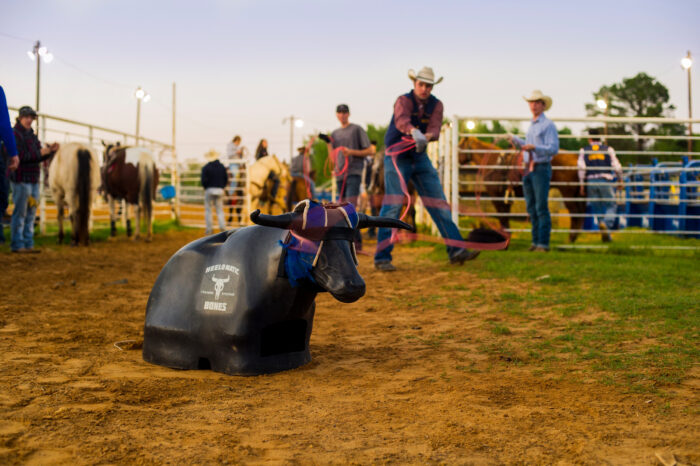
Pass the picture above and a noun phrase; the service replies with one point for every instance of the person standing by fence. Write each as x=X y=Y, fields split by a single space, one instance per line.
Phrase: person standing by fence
x=597 y=167
x=25 y=181
x=214 y=180
x=417 y=114
x=541 y=144
x=9 y=160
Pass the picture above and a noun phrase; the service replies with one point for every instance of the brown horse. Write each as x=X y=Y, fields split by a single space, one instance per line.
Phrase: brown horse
x=130 y=173
x=510 y=181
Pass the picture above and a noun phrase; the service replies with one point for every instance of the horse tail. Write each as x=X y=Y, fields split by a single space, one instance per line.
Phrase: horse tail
x=83 y=187
x=146 y=169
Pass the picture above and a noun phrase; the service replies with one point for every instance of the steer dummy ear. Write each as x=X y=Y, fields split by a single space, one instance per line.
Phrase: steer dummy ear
x=367 y=221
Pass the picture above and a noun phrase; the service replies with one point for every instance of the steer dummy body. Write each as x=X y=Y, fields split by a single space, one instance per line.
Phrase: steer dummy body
x=227 y=303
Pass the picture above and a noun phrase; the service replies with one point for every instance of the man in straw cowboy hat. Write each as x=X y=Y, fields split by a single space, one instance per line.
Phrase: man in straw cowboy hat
x=541 y=144
x=418 y=115
x=214 y=180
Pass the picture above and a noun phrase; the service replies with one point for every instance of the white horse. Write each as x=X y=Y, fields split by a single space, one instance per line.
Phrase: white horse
x=74 y=176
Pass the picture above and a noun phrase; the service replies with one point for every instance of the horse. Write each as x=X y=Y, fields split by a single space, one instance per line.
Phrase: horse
x=74 y=176
x=130 y=173
x=269 y=181
x=299 y=189
x=510 y=181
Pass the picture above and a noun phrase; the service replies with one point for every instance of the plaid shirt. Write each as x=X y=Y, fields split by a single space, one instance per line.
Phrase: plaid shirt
x=29 y=151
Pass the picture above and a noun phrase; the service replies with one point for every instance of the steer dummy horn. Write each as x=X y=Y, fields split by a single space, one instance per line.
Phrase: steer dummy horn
x=367 y=221
x=283 y=221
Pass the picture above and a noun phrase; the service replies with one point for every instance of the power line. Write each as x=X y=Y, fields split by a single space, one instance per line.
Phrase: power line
x=23 y=39
x=87 y=73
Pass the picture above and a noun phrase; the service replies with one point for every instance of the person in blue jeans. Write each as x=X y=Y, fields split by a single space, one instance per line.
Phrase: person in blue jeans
x=25 y=181
x=214 y=178
x=541 y=144
x=418 y=115
x=9 y=160
x=598 y=166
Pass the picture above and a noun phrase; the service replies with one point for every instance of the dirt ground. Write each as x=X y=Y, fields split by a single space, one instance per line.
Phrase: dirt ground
x=395 y=378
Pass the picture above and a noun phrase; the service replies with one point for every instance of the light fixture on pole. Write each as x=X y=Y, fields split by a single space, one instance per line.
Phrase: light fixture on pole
x=144 y=96
x=686 y=64
x=293 y=121
x=39 y=54
x=603 y=105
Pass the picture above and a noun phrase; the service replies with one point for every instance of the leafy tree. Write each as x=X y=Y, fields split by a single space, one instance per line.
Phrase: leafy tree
x=377 y=133
x=319 y=158
x=496 y=128
x=638 y=96
x=572 y=144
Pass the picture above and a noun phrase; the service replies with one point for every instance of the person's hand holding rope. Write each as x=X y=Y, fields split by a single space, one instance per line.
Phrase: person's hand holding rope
x=421 y=140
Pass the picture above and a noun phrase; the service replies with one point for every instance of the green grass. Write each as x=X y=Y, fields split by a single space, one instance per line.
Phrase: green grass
x=100 y=233
x=628 y=317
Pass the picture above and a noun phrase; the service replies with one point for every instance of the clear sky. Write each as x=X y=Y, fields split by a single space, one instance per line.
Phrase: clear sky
x=241 y=66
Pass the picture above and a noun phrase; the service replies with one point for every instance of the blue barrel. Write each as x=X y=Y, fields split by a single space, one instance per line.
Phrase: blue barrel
x=167 y=192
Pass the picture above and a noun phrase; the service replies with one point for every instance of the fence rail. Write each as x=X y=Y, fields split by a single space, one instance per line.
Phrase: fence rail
x=658 y=197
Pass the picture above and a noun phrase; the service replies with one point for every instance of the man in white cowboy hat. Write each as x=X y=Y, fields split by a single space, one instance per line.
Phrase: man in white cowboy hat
x=214 y=180
x=417 y=115
x=541 y=144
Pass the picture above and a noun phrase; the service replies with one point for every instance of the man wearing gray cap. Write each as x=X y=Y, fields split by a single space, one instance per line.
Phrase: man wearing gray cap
x=351 y=159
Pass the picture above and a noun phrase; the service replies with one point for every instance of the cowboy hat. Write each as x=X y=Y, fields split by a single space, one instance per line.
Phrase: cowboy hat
x=538 y=95
x=211 y=155
x=425 y=74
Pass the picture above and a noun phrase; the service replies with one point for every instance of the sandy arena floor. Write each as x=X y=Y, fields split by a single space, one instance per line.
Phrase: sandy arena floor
x=395 y=378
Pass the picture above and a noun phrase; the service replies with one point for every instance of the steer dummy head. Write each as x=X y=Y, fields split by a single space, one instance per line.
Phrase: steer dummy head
x=320 y=245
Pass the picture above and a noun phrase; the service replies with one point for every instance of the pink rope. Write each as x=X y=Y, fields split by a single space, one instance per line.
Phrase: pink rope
x=393 y=151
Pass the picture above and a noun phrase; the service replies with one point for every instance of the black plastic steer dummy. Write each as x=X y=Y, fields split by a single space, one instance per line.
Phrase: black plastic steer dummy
x=242 y=301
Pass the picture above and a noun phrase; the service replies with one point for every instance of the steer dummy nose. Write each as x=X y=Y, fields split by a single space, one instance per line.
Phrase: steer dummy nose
x=351 y=291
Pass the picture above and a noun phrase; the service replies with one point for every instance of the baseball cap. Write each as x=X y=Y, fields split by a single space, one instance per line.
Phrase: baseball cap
x=342 y=108
x=27 y=111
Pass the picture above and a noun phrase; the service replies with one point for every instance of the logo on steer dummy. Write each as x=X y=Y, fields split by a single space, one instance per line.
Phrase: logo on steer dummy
x=219 y=286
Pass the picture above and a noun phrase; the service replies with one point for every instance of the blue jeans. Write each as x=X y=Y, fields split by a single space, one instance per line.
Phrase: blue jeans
x=22 y=224
x=349 y=191
x=536 y=191
x=214 y=197
x=603 y=211
x=416 y=167
x=4 y=193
